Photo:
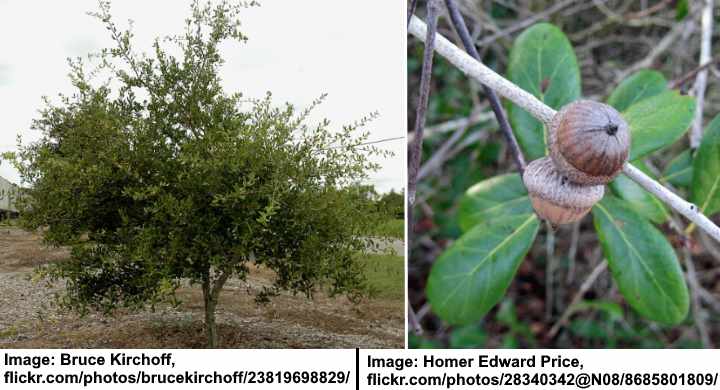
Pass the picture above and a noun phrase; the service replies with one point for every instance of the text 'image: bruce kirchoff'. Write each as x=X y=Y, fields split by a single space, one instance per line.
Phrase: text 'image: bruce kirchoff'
x=202 y=173
x=564 y=174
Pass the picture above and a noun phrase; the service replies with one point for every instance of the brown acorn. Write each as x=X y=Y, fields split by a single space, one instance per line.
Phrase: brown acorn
x=554 y=197
x=589 y=142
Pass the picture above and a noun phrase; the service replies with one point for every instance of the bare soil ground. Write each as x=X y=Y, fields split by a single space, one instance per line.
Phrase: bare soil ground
x=28 y=318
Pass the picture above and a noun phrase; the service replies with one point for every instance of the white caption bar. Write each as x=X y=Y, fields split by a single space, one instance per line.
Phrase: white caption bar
x=378 y=369
x=540 y=369
x=177 y=369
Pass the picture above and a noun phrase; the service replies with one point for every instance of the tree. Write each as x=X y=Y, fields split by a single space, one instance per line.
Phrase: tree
x=167 y=178
x=392 y=204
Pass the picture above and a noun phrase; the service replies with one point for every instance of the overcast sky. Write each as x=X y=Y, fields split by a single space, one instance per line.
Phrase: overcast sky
x=296 y=49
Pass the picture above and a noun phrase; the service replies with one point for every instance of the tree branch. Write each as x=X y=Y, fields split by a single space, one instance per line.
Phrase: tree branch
x=495 y=104
x=596 y=272
x=483 y=74
x=411 y=9
x=219 y=284
x=689 y=210
x=696 y=131
x=415 y=148
x=414 y=323
x=678 y=82
x=542 y=112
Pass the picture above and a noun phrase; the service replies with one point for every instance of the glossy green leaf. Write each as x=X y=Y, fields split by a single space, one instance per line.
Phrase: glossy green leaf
x=679 y=170
x=471 y=276
x=642 y=262
x=499 y=196
x=469 y=336
x=639 y=86
x=658 y=121
x=638 y=198
x=542 y=62
x=706 y=170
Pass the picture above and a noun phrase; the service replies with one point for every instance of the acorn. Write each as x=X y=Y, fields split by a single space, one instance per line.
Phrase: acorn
x=554 y=197
x=589 y=142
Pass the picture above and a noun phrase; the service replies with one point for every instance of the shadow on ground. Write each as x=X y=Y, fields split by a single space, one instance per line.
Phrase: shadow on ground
x=28 y=318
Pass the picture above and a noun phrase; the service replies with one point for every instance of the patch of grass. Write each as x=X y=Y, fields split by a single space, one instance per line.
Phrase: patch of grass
x=8 y=332
x=8 y=222
x=385 y=275
x=394 y=228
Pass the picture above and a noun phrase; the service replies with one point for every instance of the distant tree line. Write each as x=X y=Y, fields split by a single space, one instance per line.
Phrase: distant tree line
x=387 y=205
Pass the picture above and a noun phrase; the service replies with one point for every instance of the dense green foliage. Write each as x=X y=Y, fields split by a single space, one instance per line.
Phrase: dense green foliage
x=166 y=177
x=392 y=204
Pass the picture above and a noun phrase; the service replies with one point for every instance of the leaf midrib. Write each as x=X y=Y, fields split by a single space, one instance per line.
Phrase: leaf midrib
x=676 y=173
x=640 y=259
x=492 y=208
x=486 y=258
x=713 y=189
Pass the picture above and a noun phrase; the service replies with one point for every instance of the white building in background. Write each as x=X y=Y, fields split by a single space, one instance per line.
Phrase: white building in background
x=8 y=193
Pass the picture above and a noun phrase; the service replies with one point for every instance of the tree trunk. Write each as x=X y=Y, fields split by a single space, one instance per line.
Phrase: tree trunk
x=211 y=293
x=210 y=325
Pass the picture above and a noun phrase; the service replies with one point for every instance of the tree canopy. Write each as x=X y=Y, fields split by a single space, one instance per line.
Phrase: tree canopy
x=157 y=175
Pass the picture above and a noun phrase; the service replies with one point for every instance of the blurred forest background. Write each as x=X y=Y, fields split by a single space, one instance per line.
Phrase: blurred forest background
x=462 y=145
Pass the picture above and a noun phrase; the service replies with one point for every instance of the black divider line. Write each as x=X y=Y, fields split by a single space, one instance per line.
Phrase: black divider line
x=357 y=368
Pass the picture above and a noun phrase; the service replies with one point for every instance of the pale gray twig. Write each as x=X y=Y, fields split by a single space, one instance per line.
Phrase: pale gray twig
x=706 y=23
x=572 y=251
x=689 y=210
x=549 y=270
x=544 y=113
x=483 y=74
x=454 y=124
x=439 y=157
x=413 y=322
x=596 y=272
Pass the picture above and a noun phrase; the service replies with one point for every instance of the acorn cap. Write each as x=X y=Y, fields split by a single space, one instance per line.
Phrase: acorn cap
x=554 y=197
x=589 y=142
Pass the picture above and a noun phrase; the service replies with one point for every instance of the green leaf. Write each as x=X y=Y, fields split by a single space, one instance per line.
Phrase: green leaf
x=507 y=315
x=679 y=171
x=658 y=121
x=639 y=86
x=706 y=170
x=499 y=196
x=638 y=198
x=588 y=329
x=642 y=262
x=471 y=276
x=419 y=342
x=509 y=341
x=542 y=62
x=681 y=10
x=469 y=336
